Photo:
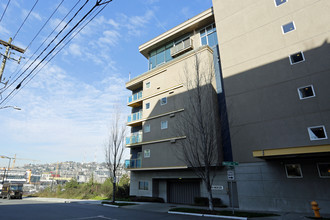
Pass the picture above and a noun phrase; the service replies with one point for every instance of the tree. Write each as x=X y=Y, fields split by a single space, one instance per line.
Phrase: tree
x=199 y=123
x=114 y=148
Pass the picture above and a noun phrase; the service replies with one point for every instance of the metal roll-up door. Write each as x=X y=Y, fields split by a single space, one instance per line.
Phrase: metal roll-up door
x=183 y=191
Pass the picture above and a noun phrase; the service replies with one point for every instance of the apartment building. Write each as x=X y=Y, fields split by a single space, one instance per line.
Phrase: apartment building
x=158 y=102
x=275 y=65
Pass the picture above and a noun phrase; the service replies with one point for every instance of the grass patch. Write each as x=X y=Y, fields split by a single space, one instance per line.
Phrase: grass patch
x=118 y=203
x=225 y=212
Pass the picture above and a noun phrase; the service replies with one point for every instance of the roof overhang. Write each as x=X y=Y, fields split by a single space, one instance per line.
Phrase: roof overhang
x=291 y=151
x=199 y=21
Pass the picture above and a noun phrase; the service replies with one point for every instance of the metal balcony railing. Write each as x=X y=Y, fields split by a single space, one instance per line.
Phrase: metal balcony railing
x=133 y=163
x=134 y=97
x=134 y=117
x=134 y=138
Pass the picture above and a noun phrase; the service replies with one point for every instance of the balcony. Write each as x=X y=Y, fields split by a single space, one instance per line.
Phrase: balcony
x=134 y=119
x=133 y=163
x=135 y=100
x=135 y=138
x=182 y=47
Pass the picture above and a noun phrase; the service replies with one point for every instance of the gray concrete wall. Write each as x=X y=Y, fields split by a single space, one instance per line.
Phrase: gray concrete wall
x=265 y=186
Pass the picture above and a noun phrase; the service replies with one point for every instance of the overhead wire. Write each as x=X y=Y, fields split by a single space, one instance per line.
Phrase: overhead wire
x=72 y=37
x=25 y=19
x=98 y=3
x=47 y=45
x=44 y=25
x=45 y=40
x=4 y=10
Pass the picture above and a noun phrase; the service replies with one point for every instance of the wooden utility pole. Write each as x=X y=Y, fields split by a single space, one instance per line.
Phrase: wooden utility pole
x=6 y=56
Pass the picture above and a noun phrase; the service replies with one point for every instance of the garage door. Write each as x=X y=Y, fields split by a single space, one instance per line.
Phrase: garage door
x=183 y=191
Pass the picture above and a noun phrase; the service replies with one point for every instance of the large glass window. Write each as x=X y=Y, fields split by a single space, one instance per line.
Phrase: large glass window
x=143 y=185
x=209 y=36
x=160 y=56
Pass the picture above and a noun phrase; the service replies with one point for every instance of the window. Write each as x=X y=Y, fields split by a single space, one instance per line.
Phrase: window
x=163 y=101
x=146 y=153
x=146 y=128
x=317 y=133
x=209 y=36
x=147 y=85
x=324 y=169
x=143 y=185
x=293 y=171
x=306 y=92
x=163 y=125
x=280 y=2
x=160 y=56
x=288 y=27
x=297 y=58
x=148 y=105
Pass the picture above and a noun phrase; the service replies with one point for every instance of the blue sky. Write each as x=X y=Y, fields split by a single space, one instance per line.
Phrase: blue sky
x=67 y=106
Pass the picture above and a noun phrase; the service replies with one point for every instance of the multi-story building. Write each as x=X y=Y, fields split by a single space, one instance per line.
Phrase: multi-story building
x=158 y=100
x=272 y=78
x=276 y=72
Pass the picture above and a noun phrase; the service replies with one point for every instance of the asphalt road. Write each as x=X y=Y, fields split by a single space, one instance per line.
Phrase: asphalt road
x=49 y=210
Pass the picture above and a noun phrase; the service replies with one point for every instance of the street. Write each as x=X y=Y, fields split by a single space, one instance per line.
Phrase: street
x=28 y=209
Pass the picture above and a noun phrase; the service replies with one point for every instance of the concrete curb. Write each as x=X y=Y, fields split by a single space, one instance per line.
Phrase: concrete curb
x=113 y=206
x=207 y=215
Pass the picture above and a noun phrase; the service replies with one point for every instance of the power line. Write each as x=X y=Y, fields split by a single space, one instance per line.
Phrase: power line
x=25 y=19
x=98 y=3
x=44 y=25
x=16 y=72
x=4 y=10
x=57 y=53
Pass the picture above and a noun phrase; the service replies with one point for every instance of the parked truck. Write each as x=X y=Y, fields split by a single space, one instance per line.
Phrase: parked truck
x=12 y=190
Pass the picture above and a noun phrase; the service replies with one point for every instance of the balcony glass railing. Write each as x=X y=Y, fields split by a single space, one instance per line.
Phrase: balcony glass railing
x=134 y=117
x=133 y=163
x=134 y=138
x=134 y=97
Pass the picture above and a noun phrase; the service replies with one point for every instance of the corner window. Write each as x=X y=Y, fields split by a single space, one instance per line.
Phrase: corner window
x=146 y=128
x=288 y=27
x=163 y=101
x=280 y=2
x=297 y=58
x=209 y=36
x=146 y=153
x=324 y=169
x=147 y=85
x=306 y=92
x=293 y=171
x=163 y=125
x=143 y=185
x=148 y=105
x=317 y=133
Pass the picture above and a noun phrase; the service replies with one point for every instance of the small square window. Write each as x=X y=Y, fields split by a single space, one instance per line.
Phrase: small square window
x=163 y=125
x=297 y=58
x=288 y=27
x=148 y=105
x=146 y=153
x=293 y=171
x=280 y=2
x=306 y=92
x=146 y=128
x=147 y=85
x=163 y=101
x=324 y=169
x=143 y=185
x=317 y=133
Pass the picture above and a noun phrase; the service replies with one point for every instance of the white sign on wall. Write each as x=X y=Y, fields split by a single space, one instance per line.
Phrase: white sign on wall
x=216 y=187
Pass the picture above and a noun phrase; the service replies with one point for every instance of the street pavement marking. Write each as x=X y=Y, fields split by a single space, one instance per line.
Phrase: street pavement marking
x=92 y=217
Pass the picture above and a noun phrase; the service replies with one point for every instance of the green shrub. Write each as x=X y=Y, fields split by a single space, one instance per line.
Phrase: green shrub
x=146 y=199
x=203 y=201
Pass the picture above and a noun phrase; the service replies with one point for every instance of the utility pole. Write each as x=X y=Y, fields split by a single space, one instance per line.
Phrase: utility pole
x=6 y=56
